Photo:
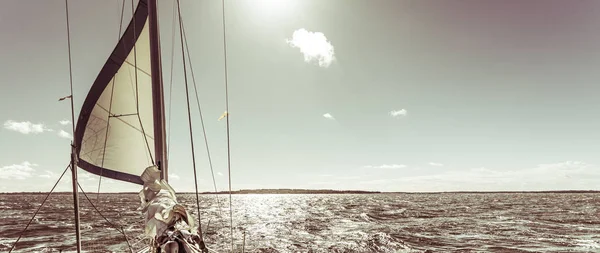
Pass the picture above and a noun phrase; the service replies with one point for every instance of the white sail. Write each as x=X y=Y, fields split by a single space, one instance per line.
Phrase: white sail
x=115 y=130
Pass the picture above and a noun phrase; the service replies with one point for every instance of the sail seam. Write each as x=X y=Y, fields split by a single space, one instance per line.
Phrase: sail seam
x=138 y=68
x=132 y=126
x=122 y=115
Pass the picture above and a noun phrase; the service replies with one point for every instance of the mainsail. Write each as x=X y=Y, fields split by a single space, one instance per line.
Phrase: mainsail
x=114 y=137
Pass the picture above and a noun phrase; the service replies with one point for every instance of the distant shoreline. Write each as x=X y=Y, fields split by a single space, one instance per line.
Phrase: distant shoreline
x=325 y=191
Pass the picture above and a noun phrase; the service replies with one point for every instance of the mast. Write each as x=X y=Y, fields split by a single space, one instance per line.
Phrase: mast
x=158 y=102
x=73 y=147
x=75 y=196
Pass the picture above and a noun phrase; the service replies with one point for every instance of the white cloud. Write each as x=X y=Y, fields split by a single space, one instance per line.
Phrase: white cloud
x=314 y=46
x=323 y=183
x=436 y=164
x=64 y=134
x=17 y=171
x=349 y=177
x=398 y=113
x=174 y=176
x=220 y=174
x=26 y=127
x=83 y=175
x=65 y=122
x=328 y=116
x=386 y=166
x=49 y=174
x=557 y=176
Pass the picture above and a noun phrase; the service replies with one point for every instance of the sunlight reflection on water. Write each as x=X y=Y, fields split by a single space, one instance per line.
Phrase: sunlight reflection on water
x=330 y=223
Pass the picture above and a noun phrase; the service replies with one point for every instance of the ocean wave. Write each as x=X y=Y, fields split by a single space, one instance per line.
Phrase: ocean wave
x=514 y=222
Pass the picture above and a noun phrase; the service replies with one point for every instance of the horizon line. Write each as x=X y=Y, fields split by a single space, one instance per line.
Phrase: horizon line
x=326 y=191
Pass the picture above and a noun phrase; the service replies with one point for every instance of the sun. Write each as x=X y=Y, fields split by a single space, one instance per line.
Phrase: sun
x=273 y=5
x=273 y=10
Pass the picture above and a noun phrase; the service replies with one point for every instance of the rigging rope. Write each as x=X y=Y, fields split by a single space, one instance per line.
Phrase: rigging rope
x=171 y=78
x=189 y=120
x=227 y=122
x=187 y=48
x=108 y=221
x=112 y=92
x=40 y=207
x=70 y=71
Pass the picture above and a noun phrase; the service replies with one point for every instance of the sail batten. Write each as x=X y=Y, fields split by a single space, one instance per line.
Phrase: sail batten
x=114 y=137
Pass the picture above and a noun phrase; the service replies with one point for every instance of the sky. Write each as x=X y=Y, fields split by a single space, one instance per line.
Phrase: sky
x=387 y=95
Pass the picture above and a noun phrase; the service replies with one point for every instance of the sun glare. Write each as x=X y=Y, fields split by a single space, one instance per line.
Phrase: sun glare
x=273 y=9
x=272 y=5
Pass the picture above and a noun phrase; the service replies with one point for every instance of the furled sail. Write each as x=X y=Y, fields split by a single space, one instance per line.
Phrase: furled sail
x=114 y=137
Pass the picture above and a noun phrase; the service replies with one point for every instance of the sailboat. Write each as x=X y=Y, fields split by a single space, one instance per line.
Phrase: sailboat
x=120 y=134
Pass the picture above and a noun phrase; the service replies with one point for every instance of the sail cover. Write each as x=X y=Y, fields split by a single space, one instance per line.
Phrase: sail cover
x=114 y=137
